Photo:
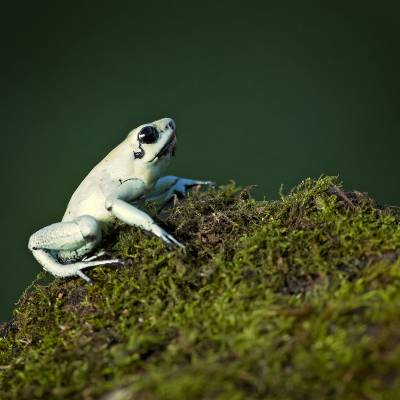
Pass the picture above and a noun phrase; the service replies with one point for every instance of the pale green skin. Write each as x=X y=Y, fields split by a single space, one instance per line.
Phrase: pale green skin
x=108 y=193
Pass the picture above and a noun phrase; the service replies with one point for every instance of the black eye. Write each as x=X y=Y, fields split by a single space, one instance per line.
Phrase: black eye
x=148 y=135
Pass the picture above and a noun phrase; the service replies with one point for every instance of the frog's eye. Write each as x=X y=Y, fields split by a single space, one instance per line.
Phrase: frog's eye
x=148 y=135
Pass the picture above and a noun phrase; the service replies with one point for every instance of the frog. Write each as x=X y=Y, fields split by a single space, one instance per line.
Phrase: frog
x=116 y=189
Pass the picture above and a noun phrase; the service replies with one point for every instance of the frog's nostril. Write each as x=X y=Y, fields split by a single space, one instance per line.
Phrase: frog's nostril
x=171 y=125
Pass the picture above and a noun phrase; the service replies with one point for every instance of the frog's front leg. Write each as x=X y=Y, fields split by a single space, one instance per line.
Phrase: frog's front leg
x=168 y=186
x=117 y=203
x=67 y=241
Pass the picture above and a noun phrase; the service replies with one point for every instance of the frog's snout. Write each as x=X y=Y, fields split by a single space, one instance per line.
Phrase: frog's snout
x=166 y=124
x=171 y=125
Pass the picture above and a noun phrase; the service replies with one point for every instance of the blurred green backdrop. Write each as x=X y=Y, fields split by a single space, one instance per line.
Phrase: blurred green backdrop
x=262 y=93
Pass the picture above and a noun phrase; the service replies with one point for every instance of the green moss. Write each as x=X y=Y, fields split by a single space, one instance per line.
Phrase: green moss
x=297 y=298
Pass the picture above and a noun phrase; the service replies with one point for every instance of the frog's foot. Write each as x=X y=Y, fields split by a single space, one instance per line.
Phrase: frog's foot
x=66 y=241
x=88 y=263
x=59 y=270
x=170 y=188
x=133 y=216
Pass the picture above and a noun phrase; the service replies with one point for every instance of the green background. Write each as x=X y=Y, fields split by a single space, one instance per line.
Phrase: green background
x=264 y=94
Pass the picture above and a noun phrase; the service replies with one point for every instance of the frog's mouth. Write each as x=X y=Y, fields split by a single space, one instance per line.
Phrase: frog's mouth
x=168 y=148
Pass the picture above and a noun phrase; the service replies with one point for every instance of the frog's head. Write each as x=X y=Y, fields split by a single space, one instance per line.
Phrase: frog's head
x=154 y=142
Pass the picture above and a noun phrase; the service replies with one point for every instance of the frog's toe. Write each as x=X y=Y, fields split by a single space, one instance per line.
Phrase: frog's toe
x=84 y=277
x=172 y=240
x=198 y=184
x=207 y=183
x=165 y=236
x=95 y=256
x=92 y=262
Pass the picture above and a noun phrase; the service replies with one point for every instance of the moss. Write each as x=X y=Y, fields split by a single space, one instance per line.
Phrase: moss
x=296 y=298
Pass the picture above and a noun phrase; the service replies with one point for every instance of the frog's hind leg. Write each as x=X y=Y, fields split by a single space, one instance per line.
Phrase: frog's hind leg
x=68 y=242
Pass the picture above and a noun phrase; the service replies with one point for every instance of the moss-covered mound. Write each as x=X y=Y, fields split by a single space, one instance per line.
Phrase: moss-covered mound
x=291 y=299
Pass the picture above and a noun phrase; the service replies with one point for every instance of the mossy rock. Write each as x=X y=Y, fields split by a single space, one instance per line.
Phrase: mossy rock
x=297 y=298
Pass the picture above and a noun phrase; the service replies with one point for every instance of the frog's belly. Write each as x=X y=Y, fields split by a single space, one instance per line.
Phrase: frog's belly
x=93 y=205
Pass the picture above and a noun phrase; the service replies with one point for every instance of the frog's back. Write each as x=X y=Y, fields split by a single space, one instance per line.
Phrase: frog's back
x=88 y=199
x=90 y=196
